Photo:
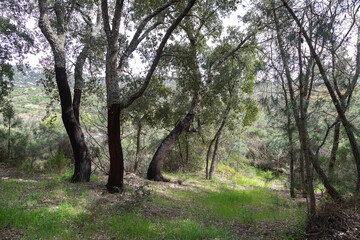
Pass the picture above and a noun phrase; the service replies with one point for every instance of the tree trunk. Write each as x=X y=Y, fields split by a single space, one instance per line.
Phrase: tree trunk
x=116 y=173
x=305 y=147
x=81 y=164
x=292 y=160
x=216 y=138
x=180 y=151
x=138 y=136
x=302 y=175
x=334 y=150
x=57 y=42
x=186 y=150
x=291 y=141
x=73 y=129
x=9 y=140
x=212 y=166
x=76 y=104
x=340 y=109
x=154 y=170
x=208 y=157
x=300 y=118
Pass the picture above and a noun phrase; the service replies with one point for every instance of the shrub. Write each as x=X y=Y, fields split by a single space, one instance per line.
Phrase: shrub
x=57 y=163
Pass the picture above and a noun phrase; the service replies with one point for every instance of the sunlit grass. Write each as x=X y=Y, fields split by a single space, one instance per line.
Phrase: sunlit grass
x=248 y=206
x=53 y=208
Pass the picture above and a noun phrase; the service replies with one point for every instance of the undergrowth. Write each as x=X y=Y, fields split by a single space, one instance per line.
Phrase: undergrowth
x=50 y=207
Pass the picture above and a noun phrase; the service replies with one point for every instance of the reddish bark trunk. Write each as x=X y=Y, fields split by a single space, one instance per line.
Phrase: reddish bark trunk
x=154 y=170
x=81 y=154
x=116 y=173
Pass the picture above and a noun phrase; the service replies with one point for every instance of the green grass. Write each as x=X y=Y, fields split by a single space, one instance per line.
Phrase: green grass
x=246 y=206
x=133 y=226
x=53 y=208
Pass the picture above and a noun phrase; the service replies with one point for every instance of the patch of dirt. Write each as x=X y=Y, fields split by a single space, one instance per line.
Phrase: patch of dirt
x=161 y=212
x=8 y=233
x=7 y=172
x=262 y=230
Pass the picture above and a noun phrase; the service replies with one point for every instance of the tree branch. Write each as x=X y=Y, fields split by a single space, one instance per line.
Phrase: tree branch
x=137 y=38
x=127 y=102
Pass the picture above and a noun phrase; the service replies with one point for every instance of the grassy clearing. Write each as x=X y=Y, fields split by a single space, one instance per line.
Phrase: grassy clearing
x=49 y=207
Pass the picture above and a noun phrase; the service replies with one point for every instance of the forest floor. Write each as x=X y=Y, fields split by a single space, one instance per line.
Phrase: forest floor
x=231 y=206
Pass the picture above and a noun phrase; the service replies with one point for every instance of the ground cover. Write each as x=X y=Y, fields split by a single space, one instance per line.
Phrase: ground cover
x=47 y=206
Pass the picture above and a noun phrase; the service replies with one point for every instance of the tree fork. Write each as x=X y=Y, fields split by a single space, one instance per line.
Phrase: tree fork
x=81 y=154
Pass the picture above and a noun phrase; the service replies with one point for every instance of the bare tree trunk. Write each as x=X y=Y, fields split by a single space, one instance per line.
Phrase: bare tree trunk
x=82 y=164
x=302 y=174
x=186 y=149
x=154 y=170
x=138 y=137
x=9 y=140
x=300 y=118
x=216 y=139
x=305 y=147
x=334 y=150
x=339 y=107
x=292 y=160
x=76 y=104
x=291 y=142
x=180 y=150
x=212 y=166
x=208 y=157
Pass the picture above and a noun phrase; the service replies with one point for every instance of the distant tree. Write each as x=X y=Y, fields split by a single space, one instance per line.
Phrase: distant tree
x=8 y=115
x=147 y=112
x=10 y=122
x=15 y=41
x=232 y=70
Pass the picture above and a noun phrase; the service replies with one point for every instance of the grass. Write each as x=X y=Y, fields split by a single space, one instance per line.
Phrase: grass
x=49 y=207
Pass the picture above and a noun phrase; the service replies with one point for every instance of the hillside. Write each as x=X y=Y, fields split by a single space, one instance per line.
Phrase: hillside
x=28 y=78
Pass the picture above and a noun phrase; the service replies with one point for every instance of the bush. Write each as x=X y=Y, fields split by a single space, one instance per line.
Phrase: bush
x=57 y=163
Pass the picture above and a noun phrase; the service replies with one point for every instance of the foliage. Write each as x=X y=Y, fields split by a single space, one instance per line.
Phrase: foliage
x=57 y=163
x=15 y=41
